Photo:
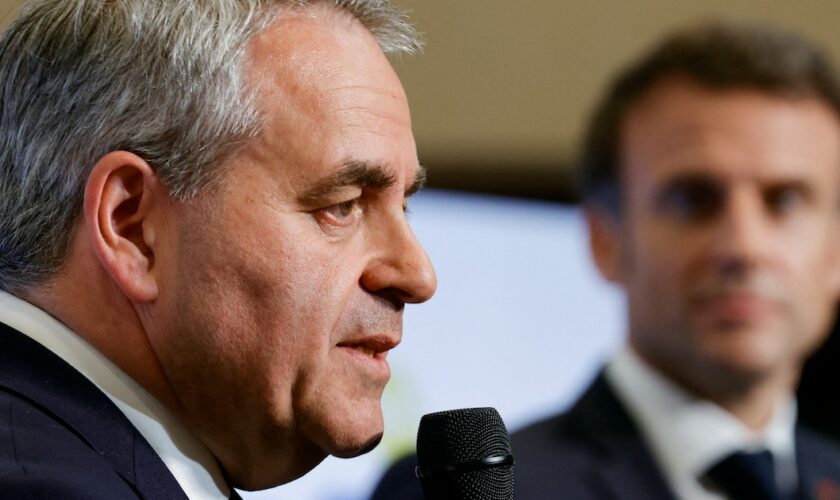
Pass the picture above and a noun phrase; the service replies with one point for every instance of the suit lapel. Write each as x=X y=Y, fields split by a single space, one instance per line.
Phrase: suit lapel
x=36 y=374
x=625 y=467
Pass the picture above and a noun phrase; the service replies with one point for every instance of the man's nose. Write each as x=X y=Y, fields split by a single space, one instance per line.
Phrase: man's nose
x=400 y=268
x=741 y=233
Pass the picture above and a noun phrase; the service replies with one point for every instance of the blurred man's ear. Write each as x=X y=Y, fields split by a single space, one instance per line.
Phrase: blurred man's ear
x=121 y=192
x=605 y=241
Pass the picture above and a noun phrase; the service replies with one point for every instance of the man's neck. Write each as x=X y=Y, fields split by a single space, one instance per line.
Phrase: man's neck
x=749 y=397
x=753 y=406
x=83 y=299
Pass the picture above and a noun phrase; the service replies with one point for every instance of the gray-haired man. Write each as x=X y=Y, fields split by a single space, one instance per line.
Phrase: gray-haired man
x=204 y=255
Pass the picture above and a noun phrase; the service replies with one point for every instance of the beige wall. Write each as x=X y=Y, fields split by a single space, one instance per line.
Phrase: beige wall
x=7 y=7
x=515 y=80
x=511 y=82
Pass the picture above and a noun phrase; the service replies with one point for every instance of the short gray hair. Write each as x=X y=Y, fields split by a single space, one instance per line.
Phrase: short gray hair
x=160 y=78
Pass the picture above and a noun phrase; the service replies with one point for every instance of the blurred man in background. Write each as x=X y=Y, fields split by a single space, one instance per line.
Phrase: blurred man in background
x=712 y=195
x=204 y=253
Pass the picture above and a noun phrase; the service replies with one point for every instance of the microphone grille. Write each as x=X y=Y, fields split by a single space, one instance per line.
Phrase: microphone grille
x=458 y=436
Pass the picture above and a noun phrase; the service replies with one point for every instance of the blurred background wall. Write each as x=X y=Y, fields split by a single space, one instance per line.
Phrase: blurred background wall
x=521 y=320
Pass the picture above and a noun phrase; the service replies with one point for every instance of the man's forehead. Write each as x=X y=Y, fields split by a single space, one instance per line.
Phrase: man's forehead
x=735 y=170
x=309 y=41
x=737 y=134
x=321 y=63
x=327 y=96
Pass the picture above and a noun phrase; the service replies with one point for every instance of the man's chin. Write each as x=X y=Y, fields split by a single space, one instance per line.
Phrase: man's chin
x=342 y=430
x=350 y=451
x=269 y=474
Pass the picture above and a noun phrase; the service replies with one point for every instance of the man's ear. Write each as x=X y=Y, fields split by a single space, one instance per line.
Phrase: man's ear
x=121 y=191
x=605 y=241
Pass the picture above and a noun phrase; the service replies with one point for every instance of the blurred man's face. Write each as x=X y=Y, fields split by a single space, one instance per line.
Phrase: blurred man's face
x=728 y=244
x=291 y=279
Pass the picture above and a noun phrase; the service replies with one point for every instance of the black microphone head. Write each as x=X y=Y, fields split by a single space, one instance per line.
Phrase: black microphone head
x=465 y=455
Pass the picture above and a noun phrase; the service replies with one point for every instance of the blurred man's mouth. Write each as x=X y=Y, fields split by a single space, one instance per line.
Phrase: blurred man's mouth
x=735 y=307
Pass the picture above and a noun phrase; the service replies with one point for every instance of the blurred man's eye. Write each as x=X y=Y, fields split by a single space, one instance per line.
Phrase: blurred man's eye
x=691 y=200
x=784 y=200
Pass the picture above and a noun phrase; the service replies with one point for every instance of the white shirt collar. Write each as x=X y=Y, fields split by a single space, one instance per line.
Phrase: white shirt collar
x=688 y=435
x=192 y=464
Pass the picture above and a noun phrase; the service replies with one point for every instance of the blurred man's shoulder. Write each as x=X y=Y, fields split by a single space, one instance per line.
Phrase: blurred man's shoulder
x=593 y=450
x=573 y=438
x=817 y=455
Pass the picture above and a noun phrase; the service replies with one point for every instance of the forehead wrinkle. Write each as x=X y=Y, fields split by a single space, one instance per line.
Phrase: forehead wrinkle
x=372 y=104
x=342 y=87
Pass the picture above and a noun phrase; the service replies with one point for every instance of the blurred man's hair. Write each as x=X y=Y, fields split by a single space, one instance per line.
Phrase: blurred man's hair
x=162 y=79
x=716 y=55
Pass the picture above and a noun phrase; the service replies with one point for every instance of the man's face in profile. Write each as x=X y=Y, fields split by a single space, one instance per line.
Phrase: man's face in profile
x=728 y=242
x=290 y=278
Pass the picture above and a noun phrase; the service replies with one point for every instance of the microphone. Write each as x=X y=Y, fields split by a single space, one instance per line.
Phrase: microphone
x=464 y=455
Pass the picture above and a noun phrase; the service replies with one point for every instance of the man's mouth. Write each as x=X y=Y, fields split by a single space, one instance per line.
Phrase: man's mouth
x=365 y=350
x=737 y=307
x=375 y=347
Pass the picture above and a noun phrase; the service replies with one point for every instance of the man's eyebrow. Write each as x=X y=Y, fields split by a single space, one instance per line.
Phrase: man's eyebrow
x=357 y=173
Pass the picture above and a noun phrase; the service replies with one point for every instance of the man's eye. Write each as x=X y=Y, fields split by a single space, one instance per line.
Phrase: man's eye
x=340 y=214
x=692 y=200
x=345 y=209
x=784 y=200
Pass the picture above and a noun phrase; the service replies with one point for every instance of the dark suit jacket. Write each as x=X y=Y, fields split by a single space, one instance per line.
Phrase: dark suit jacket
x=62 y=438
x=596 y=452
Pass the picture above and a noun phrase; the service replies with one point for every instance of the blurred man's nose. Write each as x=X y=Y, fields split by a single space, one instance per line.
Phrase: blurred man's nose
x=401 y=267
x=741 y=232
